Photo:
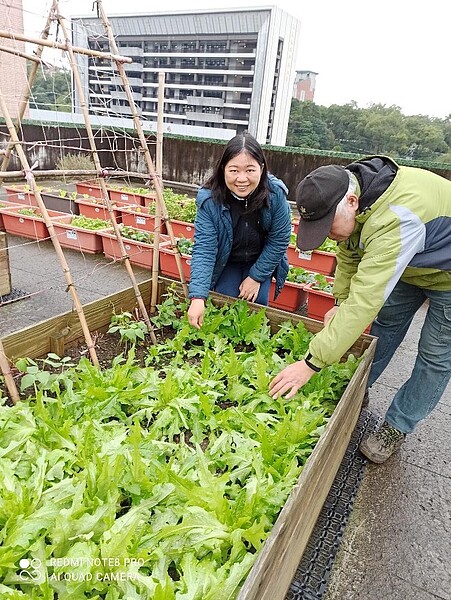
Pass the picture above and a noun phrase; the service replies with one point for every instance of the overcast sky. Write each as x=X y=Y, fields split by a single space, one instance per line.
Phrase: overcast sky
x=392 y=52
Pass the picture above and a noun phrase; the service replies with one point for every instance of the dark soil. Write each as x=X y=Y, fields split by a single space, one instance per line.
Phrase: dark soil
x=107 y=347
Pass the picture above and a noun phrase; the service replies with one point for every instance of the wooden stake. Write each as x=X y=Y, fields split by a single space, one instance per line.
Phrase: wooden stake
x=9 y=380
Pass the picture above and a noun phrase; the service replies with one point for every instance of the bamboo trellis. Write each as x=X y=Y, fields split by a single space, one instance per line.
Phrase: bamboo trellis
x=29 y=172
x=156 y=177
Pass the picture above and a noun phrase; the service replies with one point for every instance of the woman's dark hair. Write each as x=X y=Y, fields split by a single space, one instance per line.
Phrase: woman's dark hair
x=216 y=182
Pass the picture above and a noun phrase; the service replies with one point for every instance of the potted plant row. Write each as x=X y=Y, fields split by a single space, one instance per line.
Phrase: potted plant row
x=60 y=200
x=168 y=261
x=117 y=193
x=138 y=244
x=321 y=260
x=181 y=211
x=80 y=232
x=293 y=295
x=27 y=221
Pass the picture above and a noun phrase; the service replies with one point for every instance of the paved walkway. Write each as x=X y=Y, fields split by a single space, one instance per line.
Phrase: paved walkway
x=397 y=544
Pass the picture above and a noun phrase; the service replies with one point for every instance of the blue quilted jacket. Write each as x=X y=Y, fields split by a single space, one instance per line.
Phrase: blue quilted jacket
x=214 y=235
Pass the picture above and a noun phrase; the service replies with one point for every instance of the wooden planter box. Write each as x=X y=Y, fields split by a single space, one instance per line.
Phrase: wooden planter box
x=168 y=263
x=5 y=273
x=28 y=226
x=291 y=297
x=278 y=559
x=77 y=238
x=132 y=216
x=316 y=260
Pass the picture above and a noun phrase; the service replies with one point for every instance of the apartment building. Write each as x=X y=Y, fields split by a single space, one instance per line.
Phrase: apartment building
x=225 y=71
x=304 y=85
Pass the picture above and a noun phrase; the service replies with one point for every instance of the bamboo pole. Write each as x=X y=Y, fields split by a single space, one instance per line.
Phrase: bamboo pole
x=49 y=223
x=20 y=53
x=160 y=115
x=75 y=173
x=105 y=195
x=159 y=170
x=9 y=379
x=139 y=129
x=59 y=46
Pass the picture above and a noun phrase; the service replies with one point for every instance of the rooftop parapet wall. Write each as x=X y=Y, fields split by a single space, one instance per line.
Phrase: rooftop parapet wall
x=185 y=159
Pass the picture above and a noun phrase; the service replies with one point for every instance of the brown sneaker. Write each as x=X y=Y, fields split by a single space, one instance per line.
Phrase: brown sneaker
x=382 y=444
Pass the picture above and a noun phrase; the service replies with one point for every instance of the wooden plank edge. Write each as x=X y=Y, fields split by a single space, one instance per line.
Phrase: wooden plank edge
x=274 y=569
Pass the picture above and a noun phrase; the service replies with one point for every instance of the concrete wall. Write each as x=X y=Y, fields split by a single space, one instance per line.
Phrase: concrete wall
x=187 y=160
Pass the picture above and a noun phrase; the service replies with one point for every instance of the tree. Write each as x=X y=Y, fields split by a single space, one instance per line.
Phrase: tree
x=52 y=90
x=378 y=129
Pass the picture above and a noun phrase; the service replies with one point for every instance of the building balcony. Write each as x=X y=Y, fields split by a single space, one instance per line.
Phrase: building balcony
x=203 y=101
x=204 y=117
x=134 y=66
x=130 y=51
x=132 y=81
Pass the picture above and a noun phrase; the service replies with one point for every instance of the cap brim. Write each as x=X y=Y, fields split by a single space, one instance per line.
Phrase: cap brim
x=311 y=234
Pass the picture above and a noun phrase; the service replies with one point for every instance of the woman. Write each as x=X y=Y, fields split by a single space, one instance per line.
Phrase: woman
x=242 y=229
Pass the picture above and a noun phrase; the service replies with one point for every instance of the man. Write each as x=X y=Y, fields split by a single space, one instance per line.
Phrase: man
x=393 y=228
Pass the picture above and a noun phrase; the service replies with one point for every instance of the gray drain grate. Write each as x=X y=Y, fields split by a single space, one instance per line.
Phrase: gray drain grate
x=312 y=574
x=12 y=296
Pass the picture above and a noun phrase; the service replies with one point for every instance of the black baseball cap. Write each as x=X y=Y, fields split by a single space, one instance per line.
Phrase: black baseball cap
x=317 y=196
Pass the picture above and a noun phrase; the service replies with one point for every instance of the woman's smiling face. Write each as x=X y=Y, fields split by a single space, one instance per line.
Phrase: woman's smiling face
x=242 y=174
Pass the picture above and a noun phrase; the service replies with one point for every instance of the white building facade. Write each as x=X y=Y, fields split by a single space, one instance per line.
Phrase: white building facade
x=225 y=71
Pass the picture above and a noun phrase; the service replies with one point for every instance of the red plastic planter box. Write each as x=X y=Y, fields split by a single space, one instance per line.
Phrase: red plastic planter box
x=291 y=297
x=28 y=226
x=316 y=260
x=84 y=240
x=139 y=253
x=182 y=229
x=117 y=195
x=149 y=198
x=168 y=262
x=7 y=205
x=135 y=216
x=20 y=195
x=89 y=188
x=96 y=209
x=318 y=301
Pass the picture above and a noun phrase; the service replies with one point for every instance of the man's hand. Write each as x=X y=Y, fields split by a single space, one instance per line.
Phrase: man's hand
x=249 y=289
x=196 y=312
x=290 y=380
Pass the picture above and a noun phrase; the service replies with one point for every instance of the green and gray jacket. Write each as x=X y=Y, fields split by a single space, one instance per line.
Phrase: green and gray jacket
x=403 y=231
